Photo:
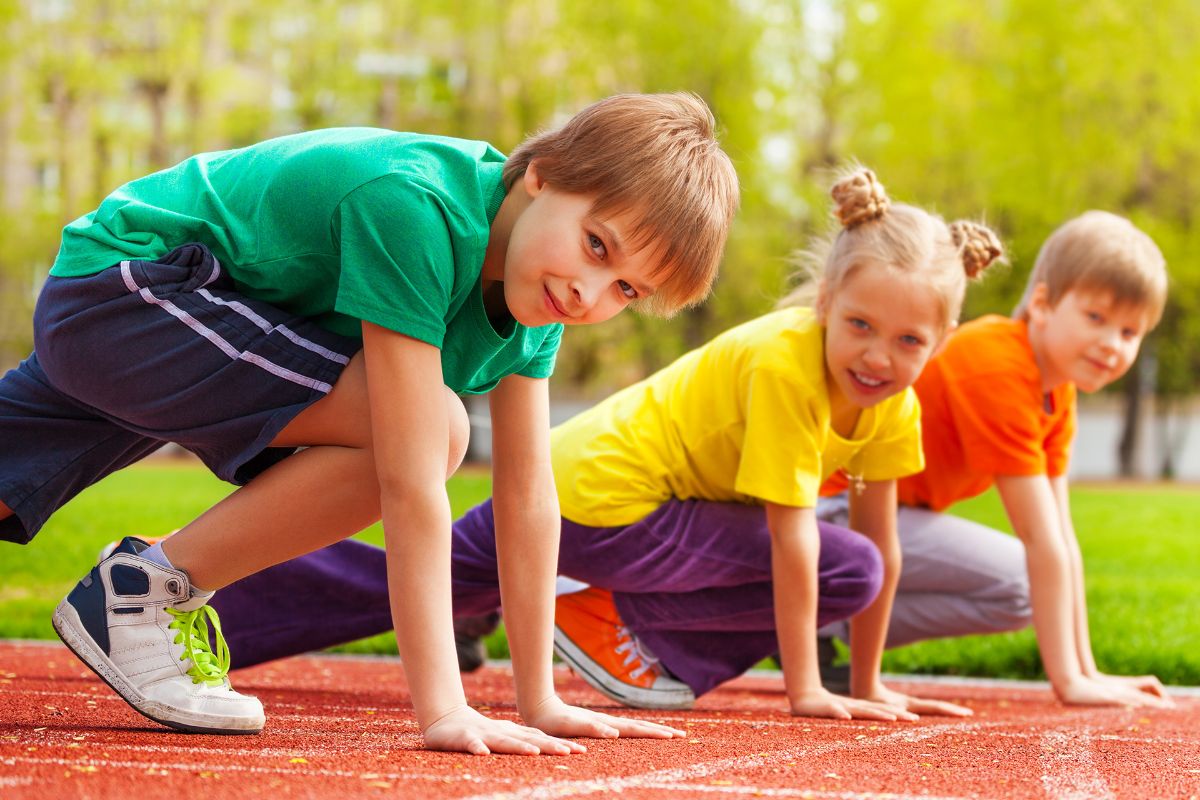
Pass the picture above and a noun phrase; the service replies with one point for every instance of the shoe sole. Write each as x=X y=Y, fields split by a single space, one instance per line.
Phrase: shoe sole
x=599 y=679
x=68 y=626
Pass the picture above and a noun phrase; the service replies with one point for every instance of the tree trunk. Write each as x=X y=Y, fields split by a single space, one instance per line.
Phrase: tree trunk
x=1139 y=388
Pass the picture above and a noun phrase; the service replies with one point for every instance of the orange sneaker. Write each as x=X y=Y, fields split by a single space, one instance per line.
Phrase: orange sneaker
x=593 y=641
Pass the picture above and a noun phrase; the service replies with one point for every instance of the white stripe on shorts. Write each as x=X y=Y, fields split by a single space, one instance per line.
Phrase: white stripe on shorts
x=267 y=327
x=221 y=343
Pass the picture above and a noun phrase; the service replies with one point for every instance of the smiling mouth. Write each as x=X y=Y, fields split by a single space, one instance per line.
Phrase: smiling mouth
x=868 y=382
x=553 y=302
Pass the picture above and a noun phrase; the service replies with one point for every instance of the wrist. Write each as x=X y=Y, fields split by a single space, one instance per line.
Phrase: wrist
x=439 y=715
x=534 y=710
x=867 y=688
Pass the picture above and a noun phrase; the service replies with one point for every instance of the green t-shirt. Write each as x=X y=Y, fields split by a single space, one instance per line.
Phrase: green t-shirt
x=341 y=226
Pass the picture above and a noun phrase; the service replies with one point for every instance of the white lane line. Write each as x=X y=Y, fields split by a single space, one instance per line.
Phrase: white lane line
x=303 y=770
x=1067 y=769
x=815 y=794
x=646 y=780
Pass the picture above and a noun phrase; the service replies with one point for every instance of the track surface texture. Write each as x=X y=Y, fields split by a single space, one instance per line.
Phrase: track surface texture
x=342 y=727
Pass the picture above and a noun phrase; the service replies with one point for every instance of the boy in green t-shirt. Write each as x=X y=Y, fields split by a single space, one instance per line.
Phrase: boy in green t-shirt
x=334 y=291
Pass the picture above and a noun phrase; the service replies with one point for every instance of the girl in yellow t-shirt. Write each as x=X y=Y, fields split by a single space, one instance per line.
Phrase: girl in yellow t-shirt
x=706 y=474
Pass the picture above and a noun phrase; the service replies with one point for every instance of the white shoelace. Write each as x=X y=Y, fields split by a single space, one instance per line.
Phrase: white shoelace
x=633 y=651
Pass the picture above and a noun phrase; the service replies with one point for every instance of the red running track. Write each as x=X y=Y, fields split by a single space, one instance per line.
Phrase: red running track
x=343 y=727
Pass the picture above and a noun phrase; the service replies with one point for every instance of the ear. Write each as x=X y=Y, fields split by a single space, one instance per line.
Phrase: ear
x=533 y=181
x=941 y=343
x=821 y=303
x=1039 y=303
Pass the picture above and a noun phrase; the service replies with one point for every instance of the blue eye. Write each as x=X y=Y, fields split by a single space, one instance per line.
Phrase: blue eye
x=597 y=245
x=1095 y=317
x=628 y=291
x=911 y=341
x=861 y=324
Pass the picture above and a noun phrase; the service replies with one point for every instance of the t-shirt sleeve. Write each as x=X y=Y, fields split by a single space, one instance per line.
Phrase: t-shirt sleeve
x=895 y=449
x=996 y=418
x=397 y=260
x=781 y=450
x=542 y=363
x=1058 y=441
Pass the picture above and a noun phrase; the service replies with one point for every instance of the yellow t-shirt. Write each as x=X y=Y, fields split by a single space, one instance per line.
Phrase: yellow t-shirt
x=744 y=418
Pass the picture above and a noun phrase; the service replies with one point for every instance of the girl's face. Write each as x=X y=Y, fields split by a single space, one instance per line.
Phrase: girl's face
x=881 y=326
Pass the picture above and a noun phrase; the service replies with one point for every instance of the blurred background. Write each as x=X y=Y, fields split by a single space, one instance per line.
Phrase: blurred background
x=1021 y=112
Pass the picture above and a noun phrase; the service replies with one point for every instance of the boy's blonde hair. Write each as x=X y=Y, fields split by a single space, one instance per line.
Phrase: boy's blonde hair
x=657 y=156
x=1101 y=252
x=880 y=234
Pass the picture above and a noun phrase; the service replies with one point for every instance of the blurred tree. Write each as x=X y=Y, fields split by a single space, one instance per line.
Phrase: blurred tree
x=1022 y=111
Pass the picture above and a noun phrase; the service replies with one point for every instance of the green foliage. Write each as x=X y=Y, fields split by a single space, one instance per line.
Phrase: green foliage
x=1140 y=571
x=1020 y=111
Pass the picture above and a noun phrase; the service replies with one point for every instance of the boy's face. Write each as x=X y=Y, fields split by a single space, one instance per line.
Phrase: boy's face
x=881 y=328
x=564 y=264
x=1087 y=338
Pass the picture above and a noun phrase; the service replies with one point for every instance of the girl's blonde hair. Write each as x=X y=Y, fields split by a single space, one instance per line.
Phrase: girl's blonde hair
x=878 y=233
x=1101 y=252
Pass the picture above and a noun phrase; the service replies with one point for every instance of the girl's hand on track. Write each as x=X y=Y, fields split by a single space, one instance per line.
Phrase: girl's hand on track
x=820 y=703
x=556 y=717
x=918 y=705
x=466 y=730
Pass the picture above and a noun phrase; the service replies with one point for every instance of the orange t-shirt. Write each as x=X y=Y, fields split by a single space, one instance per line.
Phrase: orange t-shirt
x=983 y=414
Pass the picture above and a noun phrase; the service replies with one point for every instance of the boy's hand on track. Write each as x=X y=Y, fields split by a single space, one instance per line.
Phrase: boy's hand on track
x=556 y=717
x=1146 y=684
x=466 y=730
x=1100 y=692
x=821 y=703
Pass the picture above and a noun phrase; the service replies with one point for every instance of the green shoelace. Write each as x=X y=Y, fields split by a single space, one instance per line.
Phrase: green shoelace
x=193 y=627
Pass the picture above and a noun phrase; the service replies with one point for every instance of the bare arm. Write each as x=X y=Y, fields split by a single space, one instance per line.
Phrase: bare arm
x=795 y=552
x=527 y=534
x=873 y=514
x=410 y=438
x=1036 y=516
x=1083 y=642
x=527 y=531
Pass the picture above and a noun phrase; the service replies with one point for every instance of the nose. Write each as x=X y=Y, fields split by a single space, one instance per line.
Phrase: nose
x=586 y=288
x=876 y=357
x=1110 y=342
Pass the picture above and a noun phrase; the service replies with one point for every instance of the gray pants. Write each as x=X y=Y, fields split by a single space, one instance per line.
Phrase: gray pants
x=958 y=577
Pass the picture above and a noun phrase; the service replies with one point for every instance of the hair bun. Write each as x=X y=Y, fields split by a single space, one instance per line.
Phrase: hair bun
x=978 y=245
x=860 y=198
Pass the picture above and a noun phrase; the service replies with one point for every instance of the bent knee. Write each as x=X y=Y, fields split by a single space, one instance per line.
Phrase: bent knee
x=459 y=432
x=1008 y=608
x=859 y=576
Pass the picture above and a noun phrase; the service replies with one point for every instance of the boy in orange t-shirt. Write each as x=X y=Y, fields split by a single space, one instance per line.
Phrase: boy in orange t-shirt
x=998 y=406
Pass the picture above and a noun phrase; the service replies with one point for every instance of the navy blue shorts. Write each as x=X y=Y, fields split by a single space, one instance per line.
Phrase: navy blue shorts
x=149 y=352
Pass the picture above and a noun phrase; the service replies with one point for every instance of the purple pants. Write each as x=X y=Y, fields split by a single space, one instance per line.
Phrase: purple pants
x=692 y=580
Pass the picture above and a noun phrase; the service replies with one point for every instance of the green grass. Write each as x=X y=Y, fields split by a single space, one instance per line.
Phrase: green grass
x=1142 y=571
x=1143 y=568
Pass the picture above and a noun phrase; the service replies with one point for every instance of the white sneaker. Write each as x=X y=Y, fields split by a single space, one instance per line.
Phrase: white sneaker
x=136 y=625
